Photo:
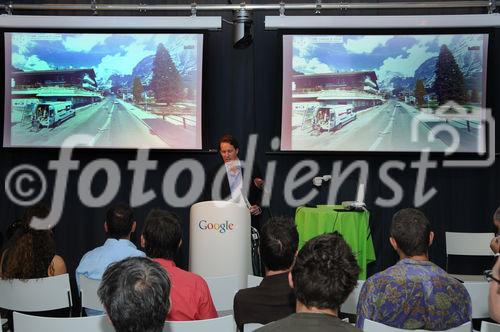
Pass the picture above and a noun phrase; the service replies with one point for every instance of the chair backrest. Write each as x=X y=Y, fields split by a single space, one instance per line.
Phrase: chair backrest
x=250 y=327
x=88 y=293
x=223 y=290
x=29 y=323
x=371 y=326
x=221 y=324
x=489 y=327
x=253 y=281
x=350 y=305
x=478 y=291
x=469 y=244
x=36 y=294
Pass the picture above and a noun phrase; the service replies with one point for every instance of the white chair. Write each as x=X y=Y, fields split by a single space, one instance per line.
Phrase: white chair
x=88 y=293
x=28 y=323
x=221 y=324
x=478 y=291
x=250 y=327
x=489 y=327
x=468 y=244
x=371 y=326
x=253 y=281
x=36 y=294
x=223 y=290
x=350 y=305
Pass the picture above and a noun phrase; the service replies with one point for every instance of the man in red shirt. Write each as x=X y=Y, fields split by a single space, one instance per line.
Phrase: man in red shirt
x=189 y=295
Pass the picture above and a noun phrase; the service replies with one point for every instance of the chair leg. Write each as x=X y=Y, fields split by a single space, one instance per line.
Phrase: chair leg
x=5 y=324
x=81 y=307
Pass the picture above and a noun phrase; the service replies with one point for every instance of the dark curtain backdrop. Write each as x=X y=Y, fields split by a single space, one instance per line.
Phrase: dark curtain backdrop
x=242 y=96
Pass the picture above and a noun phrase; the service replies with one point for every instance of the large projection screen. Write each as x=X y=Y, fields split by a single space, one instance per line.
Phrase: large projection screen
x=125 y=90
x=384 y=93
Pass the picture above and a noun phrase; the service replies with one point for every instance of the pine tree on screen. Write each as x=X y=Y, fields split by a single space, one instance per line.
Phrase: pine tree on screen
x=166 y=82
x=137 y=90
x=449 y=84
x=419 y=92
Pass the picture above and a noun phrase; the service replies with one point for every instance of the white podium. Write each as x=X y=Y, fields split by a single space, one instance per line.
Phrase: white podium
x=219 y=239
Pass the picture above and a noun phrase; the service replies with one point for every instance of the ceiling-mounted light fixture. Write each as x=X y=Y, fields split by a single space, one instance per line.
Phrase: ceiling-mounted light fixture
x=366 y=22
x=112 y=22
x=242 y=20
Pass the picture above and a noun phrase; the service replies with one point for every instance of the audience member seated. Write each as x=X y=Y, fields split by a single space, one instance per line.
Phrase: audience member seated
x=324 y=274
x=494 y=295
x=414 y=293
x=119 y=225
x=190 y=296
x=495 y=243
x=31 y=253
x=273 y=299
x=135 y=293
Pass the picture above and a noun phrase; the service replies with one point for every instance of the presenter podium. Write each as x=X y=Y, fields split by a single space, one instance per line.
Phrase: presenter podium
x=219 y=239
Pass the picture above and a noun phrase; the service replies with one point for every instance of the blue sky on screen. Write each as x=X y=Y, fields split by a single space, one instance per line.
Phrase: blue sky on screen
x=385 y=54
x=107 y=54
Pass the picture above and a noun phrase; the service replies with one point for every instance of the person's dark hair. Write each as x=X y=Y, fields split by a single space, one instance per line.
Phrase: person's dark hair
x=279 y=241
x=13 y=228
x=39 y=210
x=325 y=272
x=119 y=220
x=29 y=252
x=496 y=215
x=135 y=294
x=410 y=228
x=162 y=233
x=229 y=139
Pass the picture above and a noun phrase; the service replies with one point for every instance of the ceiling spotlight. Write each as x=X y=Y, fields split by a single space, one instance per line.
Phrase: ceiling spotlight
x=242 y=20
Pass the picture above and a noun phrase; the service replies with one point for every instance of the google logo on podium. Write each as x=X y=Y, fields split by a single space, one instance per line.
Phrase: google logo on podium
x=221 y=228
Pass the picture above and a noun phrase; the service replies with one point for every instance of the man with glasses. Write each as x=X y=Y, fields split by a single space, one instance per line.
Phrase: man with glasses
x=493 y=277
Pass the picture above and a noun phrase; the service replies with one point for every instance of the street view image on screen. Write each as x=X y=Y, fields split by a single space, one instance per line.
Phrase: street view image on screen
x=384 y=92
x=124 y=90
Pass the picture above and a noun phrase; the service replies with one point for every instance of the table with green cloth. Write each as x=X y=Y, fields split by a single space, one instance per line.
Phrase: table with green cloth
x=354 y=227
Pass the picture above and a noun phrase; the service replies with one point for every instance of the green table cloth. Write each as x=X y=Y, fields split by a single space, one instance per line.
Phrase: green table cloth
x=354 y=227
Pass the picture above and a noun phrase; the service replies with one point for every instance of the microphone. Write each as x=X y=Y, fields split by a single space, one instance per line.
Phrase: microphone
x=318 y=180
x=259 y=183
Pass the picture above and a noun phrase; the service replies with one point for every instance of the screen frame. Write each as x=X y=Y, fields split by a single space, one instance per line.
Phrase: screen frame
x=492 y=65
x=200 y=126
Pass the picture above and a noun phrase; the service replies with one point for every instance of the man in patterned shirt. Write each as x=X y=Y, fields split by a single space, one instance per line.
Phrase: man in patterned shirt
x=414 y=293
